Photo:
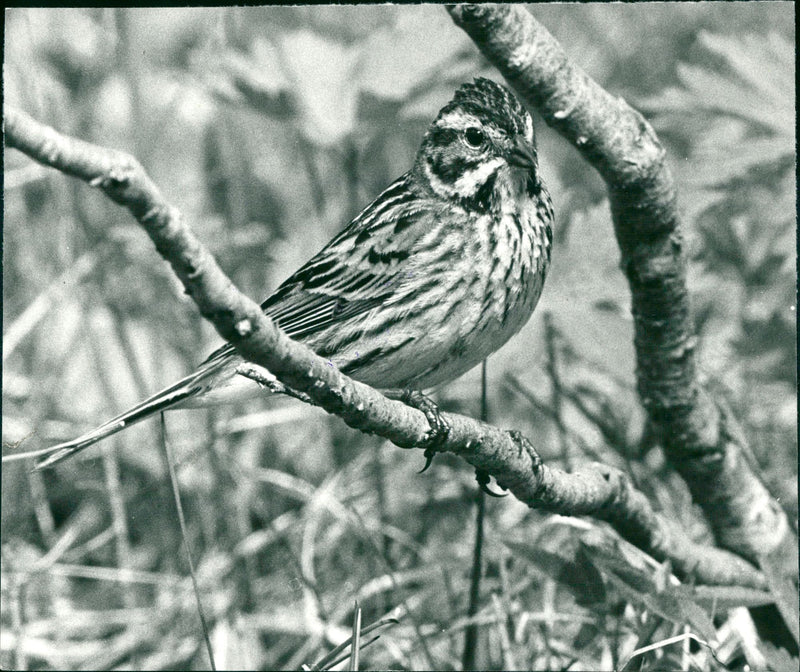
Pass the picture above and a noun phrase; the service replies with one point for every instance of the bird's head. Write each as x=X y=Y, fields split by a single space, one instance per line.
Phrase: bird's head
x=482 y=134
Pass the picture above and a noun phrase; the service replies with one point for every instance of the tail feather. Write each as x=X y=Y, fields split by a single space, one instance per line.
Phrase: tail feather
x=180 y=391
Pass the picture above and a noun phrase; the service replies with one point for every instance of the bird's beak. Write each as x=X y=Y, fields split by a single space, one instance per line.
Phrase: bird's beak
x=522 y=155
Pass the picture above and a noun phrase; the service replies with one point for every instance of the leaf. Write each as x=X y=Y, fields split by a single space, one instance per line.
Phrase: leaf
x=632 y=573
x=778 y=658
x=716 y=599
x=569 y=567
x=772 y=82
x=735 y=112
x=780 y=573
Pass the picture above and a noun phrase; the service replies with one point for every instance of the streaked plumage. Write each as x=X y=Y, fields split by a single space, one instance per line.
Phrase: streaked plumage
x=438 y=272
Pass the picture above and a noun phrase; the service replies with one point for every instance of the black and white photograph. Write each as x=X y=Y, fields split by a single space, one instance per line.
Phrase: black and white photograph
x=400 y=337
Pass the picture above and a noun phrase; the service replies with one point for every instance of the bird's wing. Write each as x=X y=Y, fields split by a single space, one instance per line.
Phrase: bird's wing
x=363 y=267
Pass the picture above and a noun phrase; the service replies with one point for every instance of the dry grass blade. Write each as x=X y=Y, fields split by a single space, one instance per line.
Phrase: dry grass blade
x=114 y=574
x=356 y=638
x=509 y=662
x=345 y=656
x=174 y=481
x=330 y=659
x=42 y=304
x=667 y=642
x=262 y=419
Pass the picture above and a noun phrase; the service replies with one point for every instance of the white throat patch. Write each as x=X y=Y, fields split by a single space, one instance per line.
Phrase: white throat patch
x=472 y=180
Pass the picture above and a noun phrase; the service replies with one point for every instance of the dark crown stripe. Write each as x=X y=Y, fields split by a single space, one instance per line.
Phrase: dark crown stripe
x=489 y=100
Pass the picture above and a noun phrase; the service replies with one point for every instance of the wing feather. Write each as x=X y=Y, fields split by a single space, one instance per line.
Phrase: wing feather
x=339 y=284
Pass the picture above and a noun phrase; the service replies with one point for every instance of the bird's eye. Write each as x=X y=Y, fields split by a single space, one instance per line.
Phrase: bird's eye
x=474 y=137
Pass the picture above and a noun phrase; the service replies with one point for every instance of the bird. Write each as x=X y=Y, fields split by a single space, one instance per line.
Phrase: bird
x=434 y=275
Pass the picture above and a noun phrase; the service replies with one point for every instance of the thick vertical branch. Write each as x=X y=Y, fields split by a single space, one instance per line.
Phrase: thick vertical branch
x=702 y=443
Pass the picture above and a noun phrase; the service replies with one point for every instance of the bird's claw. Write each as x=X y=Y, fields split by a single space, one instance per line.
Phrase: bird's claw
x=440 y=428
x=429 y=455
x=483 y=479
x=437 y=435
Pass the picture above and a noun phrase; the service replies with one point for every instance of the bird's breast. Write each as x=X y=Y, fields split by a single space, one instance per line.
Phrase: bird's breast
x=519 y=243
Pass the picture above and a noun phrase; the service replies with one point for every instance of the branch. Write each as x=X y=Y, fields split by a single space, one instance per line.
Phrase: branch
x=597 y=490
x=702 y=442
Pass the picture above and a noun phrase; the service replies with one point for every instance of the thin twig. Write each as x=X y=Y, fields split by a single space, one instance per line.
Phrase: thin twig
x=509 y=662
x=555 y=382
x=471 y=634
x=182 y=521
x=269 y=382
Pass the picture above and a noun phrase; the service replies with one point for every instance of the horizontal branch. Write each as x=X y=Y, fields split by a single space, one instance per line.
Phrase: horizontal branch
x=604 y=493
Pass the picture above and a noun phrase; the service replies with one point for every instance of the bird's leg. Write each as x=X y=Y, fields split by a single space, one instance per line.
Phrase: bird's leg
x=525 y=446
x=440 y=428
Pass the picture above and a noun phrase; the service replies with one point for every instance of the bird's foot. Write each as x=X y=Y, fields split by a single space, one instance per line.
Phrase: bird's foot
x=440 y=428
x=525 y=446
x=483 y=479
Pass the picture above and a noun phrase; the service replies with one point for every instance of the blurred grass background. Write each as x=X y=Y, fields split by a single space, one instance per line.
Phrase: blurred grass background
x=270 y=128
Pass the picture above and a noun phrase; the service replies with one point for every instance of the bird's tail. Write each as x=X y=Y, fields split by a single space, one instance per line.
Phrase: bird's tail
x=183 y=390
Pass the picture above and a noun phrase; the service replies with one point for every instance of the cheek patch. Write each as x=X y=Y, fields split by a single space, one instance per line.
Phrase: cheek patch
x=472 y=180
